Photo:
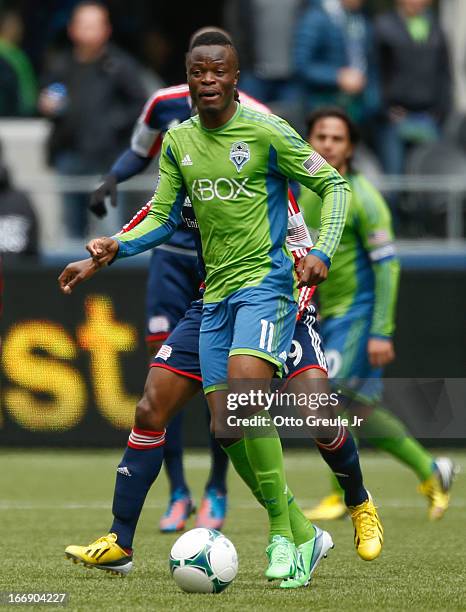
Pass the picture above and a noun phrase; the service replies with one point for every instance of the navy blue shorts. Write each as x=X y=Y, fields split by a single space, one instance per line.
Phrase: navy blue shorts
x=180 y=352
x=172 y=284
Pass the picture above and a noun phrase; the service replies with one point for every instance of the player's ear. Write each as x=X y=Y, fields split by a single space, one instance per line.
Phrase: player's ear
x=237 y=78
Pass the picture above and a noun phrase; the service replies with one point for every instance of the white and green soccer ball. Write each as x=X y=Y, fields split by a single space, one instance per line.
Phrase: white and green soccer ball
x=203 y=561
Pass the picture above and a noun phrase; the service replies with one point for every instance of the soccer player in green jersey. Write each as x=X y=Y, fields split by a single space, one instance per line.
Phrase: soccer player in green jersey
x=357 y=306
x=234 y=164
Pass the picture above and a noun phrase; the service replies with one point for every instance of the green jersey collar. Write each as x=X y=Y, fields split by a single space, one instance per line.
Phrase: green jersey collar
x=222 y=127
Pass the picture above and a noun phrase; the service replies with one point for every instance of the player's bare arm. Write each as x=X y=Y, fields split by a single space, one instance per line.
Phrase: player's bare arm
x=76 y=272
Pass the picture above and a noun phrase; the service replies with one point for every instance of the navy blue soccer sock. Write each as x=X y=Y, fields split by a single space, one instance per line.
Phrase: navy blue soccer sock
x=173 y=455
x=341 y=455
x=218 y=467
x=136 y=472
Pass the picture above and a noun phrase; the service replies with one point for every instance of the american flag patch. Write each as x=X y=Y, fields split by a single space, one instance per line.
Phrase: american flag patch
x=164 y=352
x=314 y=163
x=297 y=234
x=378 y=237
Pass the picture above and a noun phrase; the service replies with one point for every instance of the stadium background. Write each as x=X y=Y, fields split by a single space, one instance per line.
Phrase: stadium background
x=72 y=368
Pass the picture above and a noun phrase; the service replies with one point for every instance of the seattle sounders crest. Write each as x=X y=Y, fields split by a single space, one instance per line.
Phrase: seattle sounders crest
x=239 y=154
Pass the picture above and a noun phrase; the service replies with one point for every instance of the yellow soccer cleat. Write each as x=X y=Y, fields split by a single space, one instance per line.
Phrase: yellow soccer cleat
x=437 y=487
x=104 y=554
x=329 y=508
x=368 y=531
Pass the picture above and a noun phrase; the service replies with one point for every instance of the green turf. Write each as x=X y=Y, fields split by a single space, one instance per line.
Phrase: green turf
x=49 y=499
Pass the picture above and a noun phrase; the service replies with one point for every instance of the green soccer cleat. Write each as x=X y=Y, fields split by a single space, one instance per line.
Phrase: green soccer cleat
x=283 y=558
x=309 y=555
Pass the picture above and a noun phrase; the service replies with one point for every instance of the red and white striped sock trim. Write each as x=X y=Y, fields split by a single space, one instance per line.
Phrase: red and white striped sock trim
x=143 y=439
x=337 y=443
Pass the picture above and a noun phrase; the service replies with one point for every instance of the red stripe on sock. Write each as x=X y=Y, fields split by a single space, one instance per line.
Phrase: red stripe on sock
x=337 y=443
x=147 y=432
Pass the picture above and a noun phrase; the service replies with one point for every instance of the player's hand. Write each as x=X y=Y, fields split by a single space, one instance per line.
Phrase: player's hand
x=102 y=250
x=97 y=200
x=380 y=352
x=311 y=271
x=75 y=273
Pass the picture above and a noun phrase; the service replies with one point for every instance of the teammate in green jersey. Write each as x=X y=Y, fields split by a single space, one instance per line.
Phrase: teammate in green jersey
x=234 y=164
x=357 y=305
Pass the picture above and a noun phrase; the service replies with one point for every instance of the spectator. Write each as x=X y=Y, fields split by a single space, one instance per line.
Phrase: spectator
x=18 y=220
x=334 y=58
x=263 y=33
x=415 y=77
x=18 y=87
x=93 y=95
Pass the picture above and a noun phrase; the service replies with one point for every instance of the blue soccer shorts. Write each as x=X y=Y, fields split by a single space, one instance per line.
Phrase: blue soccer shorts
x=180 y=352
x=172 y=284
x=345 y=340
x=254 y=321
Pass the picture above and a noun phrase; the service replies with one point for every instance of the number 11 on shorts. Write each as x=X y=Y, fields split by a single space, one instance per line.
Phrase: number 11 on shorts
x=266 y=338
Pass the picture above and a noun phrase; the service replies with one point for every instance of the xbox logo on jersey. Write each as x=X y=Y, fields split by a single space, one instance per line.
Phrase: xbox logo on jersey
x=222 y=188
x=239 y=154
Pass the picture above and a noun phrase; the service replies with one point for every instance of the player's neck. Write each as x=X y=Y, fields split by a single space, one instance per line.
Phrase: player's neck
x=343 y=169
x=212 y=120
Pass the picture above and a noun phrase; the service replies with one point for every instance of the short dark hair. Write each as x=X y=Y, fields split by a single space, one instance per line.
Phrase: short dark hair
x=211 y=37
x=334 y=111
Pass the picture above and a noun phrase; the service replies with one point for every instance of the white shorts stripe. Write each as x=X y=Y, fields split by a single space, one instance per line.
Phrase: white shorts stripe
x=316 y=341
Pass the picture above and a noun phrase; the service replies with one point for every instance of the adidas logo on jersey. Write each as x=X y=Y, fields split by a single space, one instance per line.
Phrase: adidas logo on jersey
x=186 y=161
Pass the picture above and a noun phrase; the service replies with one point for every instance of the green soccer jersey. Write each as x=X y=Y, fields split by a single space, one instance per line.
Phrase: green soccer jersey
x=365 y=270
x=236 y=177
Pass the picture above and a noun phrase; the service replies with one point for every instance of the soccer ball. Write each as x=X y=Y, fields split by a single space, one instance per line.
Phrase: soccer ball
x=203 y=561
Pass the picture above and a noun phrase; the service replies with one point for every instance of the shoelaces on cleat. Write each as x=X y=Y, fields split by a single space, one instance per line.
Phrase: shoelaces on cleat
x=367 y=525
x=280 y=553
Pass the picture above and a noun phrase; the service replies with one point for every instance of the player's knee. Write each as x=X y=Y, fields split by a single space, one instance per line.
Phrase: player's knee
x=150 y=413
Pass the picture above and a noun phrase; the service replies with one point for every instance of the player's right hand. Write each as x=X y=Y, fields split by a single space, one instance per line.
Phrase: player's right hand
x=102 y=250
x=97 y=200
x=75 y=273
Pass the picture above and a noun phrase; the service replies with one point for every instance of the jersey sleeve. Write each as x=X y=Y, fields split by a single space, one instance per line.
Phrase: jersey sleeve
x=146 y=140
x=297 y=160
x=376 y=233
x=164 y=214
x=298 y=238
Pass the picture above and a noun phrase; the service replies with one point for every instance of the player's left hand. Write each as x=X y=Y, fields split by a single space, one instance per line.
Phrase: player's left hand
x=75 y=273
x=311 y=271
x=380 y=352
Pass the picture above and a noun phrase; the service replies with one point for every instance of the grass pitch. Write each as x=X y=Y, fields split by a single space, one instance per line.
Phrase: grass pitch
x=49 y=499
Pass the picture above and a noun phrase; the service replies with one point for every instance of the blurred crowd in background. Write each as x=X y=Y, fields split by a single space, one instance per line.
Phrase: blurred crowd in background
x=88 y=70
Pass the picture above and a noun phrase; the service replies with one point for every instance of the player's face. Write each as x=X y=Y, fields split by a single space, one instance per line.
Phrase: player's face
x=330 y=138
x=212 y=77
